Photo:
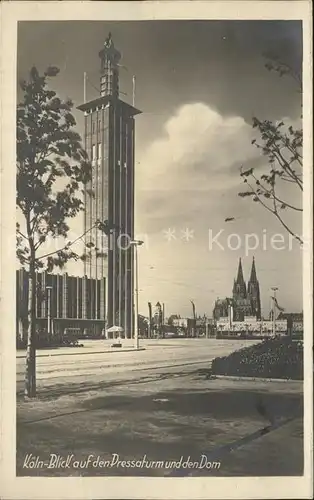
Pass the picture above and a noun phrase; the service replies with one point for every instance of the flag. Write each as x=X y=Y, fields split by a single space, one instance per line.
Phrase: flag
x=277 y=305
x=193 y=307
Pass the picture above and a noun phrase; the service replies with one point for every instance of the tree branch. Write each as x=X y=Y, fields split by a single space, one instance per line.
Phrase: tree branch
x=287 y=168
x=281 y=220
x=258 y=197
x=274 y=212
x=287 y=228
x=23 y=235
x=272 y=193
x=68 y=245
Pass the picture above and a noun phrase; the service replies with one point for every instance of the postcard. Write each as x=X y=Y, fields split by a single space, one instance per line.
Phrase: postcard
x=156 y=216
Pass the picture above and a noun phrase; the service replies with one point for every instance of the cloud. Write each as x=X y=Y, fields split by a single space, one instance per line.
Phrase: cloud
x=191 y=171
x=184 y=172
x=199 y=150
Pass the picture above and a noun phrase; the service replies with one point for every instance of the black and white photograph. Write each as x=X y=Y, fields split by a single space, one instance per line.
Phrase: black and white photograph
x=160 y=318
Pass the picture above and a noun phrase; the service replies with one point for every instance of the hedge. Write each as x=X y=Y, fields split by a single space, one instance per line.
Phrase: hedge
x=273 y=358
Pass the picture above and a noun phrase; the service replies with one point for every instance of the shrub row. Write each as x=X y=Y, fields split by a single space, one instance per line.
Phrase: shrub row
x=272 y=358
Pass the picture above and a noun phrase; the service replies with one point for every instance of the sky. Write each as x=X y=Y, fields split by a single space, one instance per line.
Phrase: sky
x=198 y=85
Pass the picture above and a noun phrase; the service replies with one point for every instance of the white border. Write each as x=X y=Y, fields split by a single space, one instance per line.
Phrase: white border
x=152 y=488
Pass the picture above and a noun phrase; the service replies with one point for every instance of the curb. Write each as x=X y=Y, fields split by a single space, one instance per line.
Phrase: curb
x=76 y=353
x=255 y=379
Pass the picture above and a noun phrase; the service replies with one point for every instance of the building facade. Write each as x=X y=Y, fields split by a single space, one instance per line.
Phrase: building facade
x=220 y=309
x=294 y=322
x=64 y=301
x=109 y=196
x=245 y=300
x=252 y=326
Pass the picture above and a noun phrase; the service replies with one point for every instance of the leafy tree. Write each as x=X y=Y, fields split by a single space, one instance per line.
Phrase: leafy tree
x=171 y=319
x=157 y=319
x=282 y=146
x=52 y=169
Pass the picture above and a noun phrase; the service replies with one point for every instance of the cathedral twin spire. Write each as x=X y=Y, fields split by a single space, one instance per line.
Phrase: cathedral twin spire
x=246 y=300
x=239 y=287
x=247 y=297
x=240 y=279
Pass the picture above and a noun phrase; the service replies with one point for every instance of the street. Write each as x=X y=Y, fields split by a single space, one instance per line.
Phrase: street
x=69 y=366
x=157 y=403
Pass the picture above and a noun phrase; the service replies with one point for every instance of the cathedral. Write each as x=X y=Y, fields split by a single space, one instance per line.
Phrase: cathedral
x=245 y=299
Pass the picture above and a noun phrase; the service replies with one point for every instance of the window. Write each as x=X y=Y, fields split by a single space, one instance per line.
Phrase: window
x=105 y=149
x=99 y=150
x=99 y=125
x=94 y=152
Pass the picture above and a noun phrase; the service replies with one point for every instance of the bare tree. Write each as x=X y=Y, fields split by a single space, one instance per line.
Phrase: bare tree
x=282 y=145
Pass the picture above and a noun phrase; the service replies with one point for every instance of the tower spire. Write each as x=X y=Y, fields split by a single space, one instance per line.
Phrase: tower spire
x=240 y=279
x=239 y=286
x=254 y=292
x=253 y=277
x=109 y=80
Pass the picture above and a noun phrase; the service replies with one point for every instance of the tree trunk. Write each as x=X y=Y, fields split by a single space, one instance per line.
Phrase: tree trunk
x=30 y=371
x=150 y=321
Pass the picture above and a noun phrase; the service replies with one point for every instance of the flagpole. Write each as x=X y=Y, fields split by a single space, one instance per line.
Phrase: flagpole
x=84 y=90
x=133 y=90
x=274 y=289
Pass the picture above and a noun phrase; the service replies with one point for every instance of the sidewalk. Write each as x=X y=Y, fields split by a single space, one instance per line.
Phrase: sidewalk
x=90 y=347
x=281 y=451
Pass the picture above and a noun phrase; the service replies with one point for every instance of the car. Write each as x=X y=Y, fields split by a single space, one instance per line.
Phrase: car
x=116 y=343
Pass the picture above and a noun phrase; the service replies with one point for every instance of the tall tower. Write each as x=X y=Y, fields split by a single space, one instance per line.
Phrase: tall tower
x=239 y=287
x=254 y=292
x=109 y=143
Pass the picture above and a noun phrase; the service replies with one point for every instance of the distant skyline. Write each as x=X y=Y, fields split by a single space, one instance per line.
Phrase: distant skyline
x=198 y=85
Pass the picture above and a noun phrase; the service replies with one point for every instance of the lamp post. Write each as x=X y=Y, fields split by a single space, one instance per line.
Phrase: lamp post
x=207 y=329
x=274 y=289
x=48 y=288
x=136 y=243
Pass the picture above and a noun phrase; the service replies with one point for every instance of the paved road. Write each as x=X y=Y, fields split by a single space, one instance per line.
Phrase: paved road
x=72 y=366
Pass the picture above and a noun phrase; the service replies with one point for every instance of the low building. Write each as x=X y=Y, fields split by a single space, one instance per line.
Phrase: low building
x=294 y=322
x=250 y=326
x=220 y=310
x=62 y=301
x=181 y=322
x=200 y=326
